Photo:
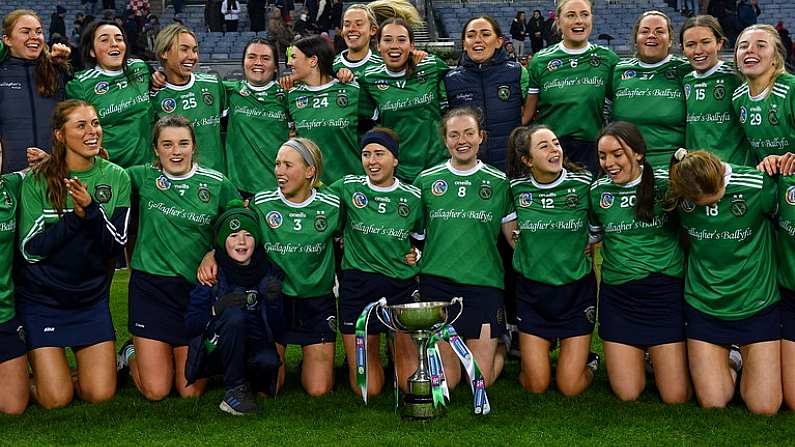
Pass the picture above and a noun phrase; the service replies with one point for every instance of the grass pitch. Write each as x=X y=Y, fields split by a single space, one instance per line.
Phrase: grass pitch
x=517 y=419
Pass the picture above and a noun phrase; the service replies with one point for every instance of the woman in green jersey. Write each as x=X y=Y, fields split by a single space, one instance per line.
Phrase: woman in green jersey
x=711 y=121
x=257 y=119
x=408 y=96
x=568 y=83
x=647 y=90
x=118 y=87
x=179 y=201
x=555 y=293
x=324 y=109
x=467 y=205
x=14 y=394
x=72 y=226
x=765 y=102
x=383 y=217
x=641 y=295
x=731 y=294
x=197 y=96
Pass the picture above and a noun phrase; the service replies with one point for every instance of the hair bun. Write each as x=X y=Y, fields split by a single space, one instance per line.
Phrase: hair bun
x=680 y=154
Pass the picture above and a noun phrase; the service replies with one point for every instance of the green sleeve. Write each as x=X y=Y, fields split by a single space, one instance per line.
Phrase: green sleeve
x=31 y=214
x=124 y=189
x=336 y=187
x=524 y=82
x=74 y=90
x=136 y=174
x=13 y=183
x=366 y=105
x=3 y=51
x=533 y=78
x=228 y=193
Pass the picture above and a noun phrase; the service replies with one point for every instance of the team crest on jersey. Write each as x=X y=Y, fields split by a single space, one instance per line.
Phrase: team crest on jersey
x=595 y=60
x=687 y=206
x=670 y=74
x=203 y=193
x=439 y=187
x=274 y=219
x=607 y=199
x=629 y=74
x=321 y=224
x=525 y=199
x=485 y=192
x=168 y=105
x=403 y=209
x=772 y=117
x=207 y=97
x=719 y=92
x=790 y=196
x=590 y=314
x=382 y=84
x=101 y=88
x=359 y=200
x=574 y=62
x=251 y=299
x=554 y=64
x=743 y=114
x=163 y=183
x=7 y=198
x=504 y=92
x=687 y=91
x=103 y=193
x=301 y=102
x=244 y=92
x=342 y=99
x=572 y=200
x=738 y=205
x=280 y=95
x=234 y=224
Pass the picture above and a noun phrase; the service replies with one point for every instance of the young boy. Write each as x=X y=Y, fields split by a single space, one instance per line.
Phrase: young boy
x=234 y=321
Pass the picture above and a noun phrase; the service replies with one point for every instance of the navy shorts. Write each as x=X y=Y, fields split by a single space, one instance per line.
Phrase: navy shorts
x=156 y=306
x=53 y=327
x=308 y=321
x=482 y=305
x=765 y=325
x=643 y=312
x=787 y=314
x=554 y=312
x=12 y=340
x=358 y=289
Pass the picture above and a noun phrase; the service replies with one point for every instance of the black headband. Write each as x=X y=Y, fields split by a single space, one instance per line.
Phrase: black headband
x=380 y=137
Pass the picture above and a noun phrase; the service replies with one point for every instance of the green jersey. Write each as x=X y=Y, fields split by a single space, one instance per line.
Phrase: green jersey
x=571 y=86
x=298 y=237
x=122 y=103
x=412 y=107
x=633 y=248
x=329 y=115
x=786 y=234
x=464 y=212
x=768 y=119
x=257 y=128
x=552 y=220
x=175 y=218
x=358 y=68
x=650 y=96
x=378 y=223
x=202 y=101
x=9 y=198
x=711 y=121
x=731 y=269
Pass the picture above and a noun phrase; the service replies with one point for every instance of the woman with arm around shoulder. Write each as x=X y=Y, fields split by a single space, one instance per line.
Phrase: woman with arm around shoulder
x=467 y=205
x=298 y=224
x=179 y=201
x=119 y=89
x=641 y=295
x=487 y=80
x=569 y=82
x=731 y=294
x=556 y=293
x=75 y=207
x=765 y=102
x=647 y=90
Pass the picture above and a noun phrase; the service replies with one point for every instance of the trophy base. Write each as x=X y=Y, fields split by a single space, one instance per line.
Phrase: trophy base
x=420 y=407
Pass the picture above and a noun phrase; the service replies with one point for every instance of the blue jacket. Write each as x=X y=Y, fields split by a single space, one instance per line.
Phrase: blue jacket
x=495 y=88
x=24 y=115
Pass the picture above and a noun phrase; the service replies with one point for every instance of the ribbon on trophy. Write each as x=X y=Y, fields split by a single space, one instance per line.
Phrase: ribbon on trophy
x=361 y=346
x=476 y=382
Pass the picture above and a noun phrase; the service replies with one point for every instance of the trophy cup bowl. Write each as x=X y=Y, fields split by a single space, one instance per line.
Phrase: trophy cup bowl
x=419 y=320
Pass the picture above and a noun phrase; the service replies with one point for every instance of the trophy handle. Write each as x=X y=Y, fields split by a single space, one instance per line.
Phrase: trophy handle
x=381 y=307
x=460 y=301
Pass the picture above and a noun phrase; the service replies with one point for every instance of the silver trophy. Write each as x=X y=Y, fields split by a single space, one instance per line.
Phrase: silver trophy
x=420 y=321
